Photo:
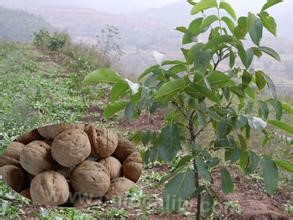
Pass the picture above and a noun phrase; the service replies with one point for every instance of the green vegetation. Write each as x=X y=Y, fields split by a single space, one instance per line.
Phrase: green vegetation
x=197 y=97
x=18 y=25
x=212 y=118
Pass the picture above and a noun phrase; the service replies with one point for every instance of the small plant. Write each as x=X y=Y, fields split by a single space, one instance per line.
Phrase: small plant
x=52 y=42
x=213 y=89
x=41 y=38
x=233 y=206
x=289 y=208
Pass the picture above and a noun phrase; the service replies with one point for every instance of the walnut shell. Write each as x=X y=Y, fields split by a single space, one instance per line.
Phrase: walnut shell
x=12 y=154
x=36 y=158
x=124 y=149
x=51 y=131
x=71 y=147
x=26 y=193
x=86 y=202
x=7 y=160
x=118 y=186
x=103 y=140
x=14 y=149
x=132 y=166
x=13 y=176
x=113 y=166
x=49 y=188
x=30 y=136
x=90 y=179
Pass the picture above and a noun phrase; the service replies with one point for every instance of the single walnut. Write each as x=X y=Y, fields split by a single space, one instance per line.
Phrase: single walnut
x=132 y=166
x=51 y=131
x=13 y=176
x=113 y=166
x=30 y=136
x=49 y=188
x=71 y=147
x=7 y=160
x=118 y=186
x=124 y=149
x=36 y=158
x=26 y=193
x=12 y=154
x=90 y=179
x=14 y=149
x=84 y=202
x=103 y=140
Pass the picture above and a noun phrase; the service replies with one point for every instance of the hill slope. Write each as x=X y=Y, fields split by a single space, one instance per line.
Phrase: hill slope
x=18 y=25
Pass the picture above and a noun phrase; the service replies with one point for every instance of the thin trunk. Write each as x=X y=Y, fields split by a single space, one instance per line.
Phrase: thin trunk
x=193 y=139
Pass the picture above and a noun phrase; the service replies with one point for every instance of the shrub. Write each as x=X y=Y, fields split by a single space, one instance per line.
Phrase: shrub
x=52 y=42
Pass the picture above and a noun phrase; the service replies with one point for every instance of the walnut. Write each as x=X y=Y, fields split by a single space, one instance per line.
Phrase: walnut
x=90 y=179
x=103 y=140
x=51 y=131
x=118 y=186
x=113 y=166
x=71 y=147
x=124 y=149
x=30 y=136
x=132 y=166
x=36 y=158
x=49 y=188
x=13 y=176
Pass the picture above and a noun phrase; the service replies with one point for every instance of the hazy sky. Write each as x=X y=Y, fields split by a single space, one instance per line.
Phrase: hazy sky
x=123 y=6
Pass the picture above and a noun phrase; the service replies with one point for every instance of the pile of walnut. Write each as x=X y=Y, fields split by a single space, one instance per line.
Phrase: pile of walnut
x=71 y=164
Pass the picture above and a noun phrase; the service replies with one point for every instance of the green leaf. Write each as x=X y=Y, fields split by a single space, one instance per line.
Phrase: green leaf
x=253 y=162
x=130 y=111
x=219 y=79
x=119 y=90
x=285 y=165
x=270 y=52
x=176 y=69
x=256 y=32
x=103 y=75
x=271 y=86
x=268 y=22
x=208 y=205
x=216 y=42
x=226 y=181
x=260 y=80
x=241 y=30
x=208 y=21
x=149 y=70
x=169 y=142
x=195 y=27
x=170 y=89
x=230 y=24
x=251 y=20
x=184 y=160
x=203 y=5
x=246 y=78
x=244 y=159
x=181 y=29
x=270 y=174
x=277 y=105
x=200 y=57
x=205 y=92
x=270 y=3
x=263 y=109
x=288 y=108
x=244 y=56
x=281 y=125
x=228 y=8
x=112 y=109
x=178 y=189
x=202 y=169
x=241 y=121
